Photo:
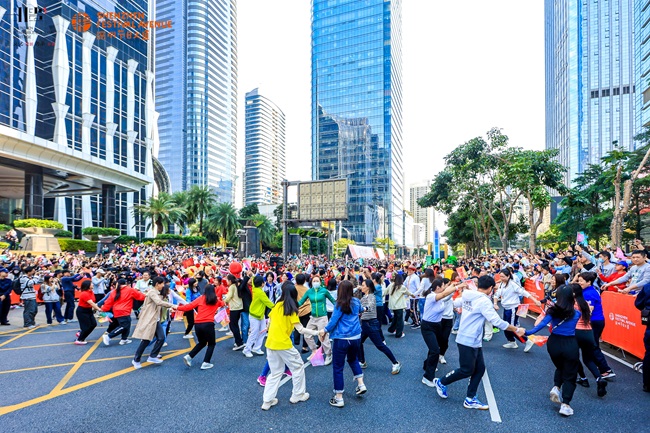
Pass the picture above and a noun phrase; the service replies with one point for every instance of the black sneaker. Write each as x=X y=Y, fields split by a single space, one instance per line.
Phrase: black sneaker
x=583 y=381
x=602 y=387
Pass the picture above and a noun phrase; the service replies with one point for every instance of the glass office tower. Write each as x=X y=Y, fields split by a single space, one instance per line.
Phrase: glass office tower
x=589 y=79
x=196 y=94
x=357 y=110
x=642 y=63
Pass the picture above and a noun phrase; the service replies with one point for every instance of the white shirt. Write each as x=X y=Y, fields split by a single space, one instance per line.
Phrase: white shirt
x=477 y=308
x=510 y=293
x=412 y=283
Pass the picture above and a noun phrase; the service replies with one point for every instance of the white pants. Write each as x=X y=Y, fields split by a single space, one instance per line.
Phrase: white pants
x=318 y=323
x=256 y=336
x=277 y=360
x=488 y=329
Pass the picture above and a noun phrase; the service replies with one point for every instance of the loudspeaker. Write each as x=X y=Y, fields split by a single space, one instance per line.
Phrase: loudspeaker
x=295 y=244
x=276 y=262
x=249 y=242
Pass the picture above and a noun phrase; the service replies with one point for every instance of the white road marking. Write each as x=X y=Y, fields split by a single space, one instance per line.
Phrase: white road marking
x=492 y=402
x=625 y=363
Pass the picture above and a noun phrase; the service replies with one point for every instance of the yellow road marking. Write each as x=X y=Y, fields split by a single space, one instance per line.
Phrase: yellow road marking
x=18 y=336
x=40 y=345
x=8 y=409
x=76 y=367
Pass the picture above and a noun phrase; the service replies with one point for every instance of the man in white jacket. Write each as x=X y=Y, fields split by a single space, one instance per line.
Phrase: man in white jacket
x=477 y=308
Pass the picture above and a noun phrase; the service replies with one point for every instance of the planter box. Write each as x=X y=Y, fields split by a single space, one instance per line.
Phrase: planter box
x=38 y=231
x=39 y=240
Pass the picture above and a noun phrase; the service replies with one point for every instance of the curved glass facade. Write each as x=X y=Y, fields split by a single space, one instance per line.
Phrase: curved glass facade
x=196 y=84
x=265 y=151
x=357 y=110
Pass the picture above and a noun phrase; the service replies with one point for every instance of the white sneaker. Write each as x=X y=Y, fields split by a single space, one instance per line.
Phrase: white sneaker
x=269 y=404
x=511 y=345
x=107 y=340
x=442 y=360
x=136 y=365
x=529 y=345
x=187 y=359
x=566 y=410
x=224 y=329
x=555 y=395
x=188 y=336
x=154 y=360
x=487 y=338
x=396 y=368
x=258 y=352
x=72 y=321
x=206 y=366
x=247 y=354
x=229 y=333
x=164 y=344
x=328 y=360
x=428 y=382
x=303 y=397
x=127 y=341
x=236 y=348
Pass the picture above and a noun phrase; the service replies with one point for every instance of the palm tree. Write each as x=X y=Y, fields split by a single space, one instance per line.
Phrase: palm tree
x=200 y=200
x=181 y=199
x=160 y=211
x=222 y=219
x=266 y=228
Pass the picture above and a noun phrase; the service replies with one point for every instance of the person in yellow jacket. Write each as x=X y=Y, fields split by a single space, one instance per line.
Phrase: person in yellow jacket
x=258 y=322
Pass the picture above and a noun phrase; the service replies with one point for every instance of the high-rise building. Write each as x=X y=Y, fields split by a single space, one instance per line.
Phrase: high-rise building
x=422 y=215
x=77 y=118
x=642 y=63
x=196 y=94
x=356 y=63
x=590 y=82
x=265 y=151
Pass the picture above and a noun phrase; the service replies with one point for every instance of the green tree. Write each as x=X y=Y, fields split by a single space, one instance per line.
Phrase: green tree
x=159 y=211
x=340 y=246
x=222 y=219
x=382 y=242
x=266 y=228
x=248 y=211
x=181 y=200
x=200 y=199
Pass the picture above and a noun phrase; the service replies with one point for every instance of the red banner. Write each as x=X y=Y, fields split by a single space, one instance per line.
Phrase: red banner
x=623 y=326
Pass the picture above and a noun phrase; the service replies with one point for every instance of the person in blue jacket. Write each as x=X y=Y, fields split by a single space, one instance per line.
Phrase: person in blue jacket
x=344 y=330
x=642 y=302
x=5 y=296
x=67 y=285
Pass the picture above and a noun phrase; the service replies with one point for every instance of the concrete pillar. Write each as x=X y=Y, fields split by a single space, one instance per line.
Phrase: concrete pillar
x=33 y=207
x=108 y=206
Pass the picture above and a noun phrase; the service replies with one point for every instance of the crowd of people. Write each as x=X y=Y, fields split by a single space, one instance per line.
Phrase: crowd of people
x=330 y=308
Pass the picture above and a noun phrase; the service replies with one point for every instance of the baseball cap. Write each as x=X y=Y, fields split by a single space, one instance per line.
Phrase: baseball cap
x=622 y=263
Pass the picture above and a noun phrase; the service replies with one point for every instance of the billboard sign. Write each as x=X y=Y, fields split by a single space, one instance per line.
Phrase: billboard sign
x=324 y=200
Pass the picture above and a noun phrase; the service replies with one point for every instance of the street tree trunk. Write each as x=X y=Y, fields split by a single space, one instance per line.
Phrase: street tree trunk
x=534 y=224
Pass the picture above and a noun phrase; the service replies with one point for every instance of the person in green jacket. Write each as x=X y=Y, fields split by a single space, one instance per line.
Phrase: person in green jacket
x=258 y=322
x=318 y=320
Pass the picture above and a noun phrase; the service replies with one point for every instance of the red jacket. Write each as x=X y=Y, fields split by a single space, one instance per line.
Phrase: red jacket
x=205 y=313
x=613 y=277
x=123 y=306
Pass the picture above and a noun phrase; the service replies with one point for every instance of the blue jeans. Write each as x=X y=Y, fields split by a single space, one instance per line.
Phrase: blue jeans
x=266 y=370
x=69 y=305
x=340 y=350
x=56 y=307
x=456 y=321
x=245 y=326
x=372 y=329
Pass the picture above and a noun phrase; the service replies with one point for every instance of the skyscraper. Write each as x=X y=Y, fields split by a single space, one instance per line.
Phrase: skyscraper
x=422 y=215
x=77 y=118
x=265 y=162
x=356 y=63
x=196 y=94
x=642 y=63
x=589 y=79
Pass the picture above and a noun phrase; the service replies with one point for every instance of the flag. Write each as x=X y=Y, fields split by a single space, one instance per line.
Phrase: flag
x=580 y=237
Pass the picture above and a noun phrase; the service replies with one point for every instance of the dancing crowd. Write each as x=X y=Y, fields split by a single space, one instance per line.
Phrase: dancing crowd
x=329 y=308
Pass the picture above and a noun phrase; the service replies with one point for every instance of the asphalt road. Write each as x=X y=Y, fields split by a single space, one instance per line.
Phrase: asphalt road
x=50 y=385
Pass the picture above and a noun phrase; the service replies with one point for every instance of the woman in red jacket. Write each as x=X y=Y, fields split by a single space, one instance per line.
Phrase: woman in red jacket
x=207 y=306
x=121 y=301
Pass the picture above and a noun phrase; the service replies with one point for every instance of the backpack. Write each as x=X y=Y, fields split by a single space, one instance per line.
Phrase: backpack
x=39 y=295
x=17 y=287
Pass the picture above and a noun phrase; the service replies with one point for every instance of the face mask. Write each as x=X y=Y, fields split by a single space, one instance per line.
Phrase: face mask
x=316 y=285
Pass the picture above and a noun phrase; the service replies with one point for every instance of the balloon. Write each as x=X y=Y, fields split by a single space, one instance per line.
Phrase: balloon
x=235 y=268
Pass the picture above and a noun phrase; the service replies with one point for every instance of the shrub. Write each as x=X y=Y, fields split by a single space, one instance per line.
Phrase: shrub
x=194 y=240
x=63 y=234
x=169 y=236
x=74 y=245
x=5 y=228
x=33 y=222
x=100 y=231
x=145 y=240
x=147 y=243
x=124 y=240
x=3 y=245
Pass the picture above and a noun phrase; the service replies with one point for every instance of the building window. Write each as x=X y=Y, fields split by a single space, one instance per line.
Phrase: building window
x=605 y=92
x=626 y=90
x=616 y=91
x=594 y=93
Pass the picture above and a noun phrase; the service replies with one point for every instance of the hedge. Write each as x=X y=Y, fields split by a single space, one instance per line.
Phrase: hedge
x=63 y=234
x=74 y=245
x=194 y=240
x=125 y=240
x=169 y=236
x=33 y=222
x=3 y=245
x=5 y=227
x=100 y=231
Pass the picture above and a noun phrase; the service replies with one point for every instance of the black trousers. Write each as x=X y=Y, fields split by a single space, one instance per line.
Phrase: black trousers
x=472 y=365
x=160 y=340
x=585 y=339
x=5 y=306
x=304 y=320
x=123 y=327
x=189 y=315
x=432 y=334
x=234 y=326
x=447 y=325
x=372 y=329
x=598 y=327
x=646 y=358
x=566 y=358
x=397 y=324
x=69 y=305
x=87 y=322
x=206 y=336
